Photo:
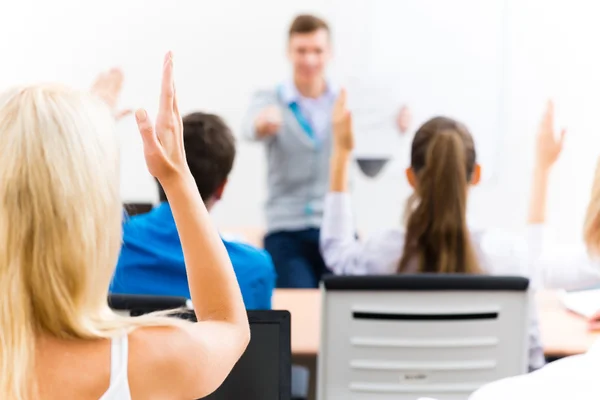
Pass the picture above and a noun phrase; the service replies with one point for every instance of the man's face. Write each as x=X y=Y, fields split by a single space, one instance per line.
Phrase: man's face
x=309 y=54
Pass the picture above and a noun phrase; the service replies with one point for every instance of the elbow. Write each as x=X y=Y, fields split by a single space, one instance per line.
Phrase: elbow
x=242 y=338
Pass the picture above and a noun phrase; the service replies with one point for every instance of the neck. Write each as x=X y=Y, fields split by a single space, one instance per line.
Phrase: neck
x=312 y=89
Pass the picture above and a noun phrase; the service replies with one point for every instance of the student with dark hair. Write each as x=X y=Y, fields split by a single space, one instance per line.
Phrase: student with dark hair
x=151 y=260
x=437 y=238
x=293 y=120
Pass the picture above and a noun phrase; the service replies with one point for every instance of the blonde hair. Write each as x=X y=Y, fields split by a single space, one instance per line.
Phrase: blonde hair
x=591 y=227
x=60 y=226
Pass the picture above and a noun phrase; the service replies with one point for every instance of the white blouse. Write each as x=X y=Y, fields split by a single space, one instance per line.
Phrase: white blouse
x=569 y=378
x=499 y=252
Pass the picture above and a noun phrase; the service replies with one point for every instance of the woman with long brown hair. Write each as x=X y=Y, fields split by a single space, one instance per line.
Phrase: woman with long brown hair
x=437 y=238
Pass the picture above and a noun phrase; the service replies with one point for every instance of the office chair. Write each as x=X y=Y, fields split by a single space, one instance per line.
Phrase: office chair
x=411 y=336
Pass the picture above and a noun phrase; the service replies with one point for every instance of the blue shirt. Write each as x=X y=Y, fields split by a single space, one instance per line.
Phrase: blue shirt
x=151 y=262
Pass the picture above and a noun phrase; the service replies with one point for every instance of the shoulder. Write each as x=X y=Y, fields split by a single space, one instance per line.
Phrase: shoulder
x=501 y=251
x=266 y=95
x=133 y=224
x=183 y=360
x=388 y=238
x=384 y=250
x=153 y=359
x=245 y=256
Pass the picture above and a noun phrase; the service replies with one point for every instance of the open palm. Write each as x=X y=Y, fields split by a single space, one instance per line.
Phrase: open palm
x=548 y=145
x=342 y=124
x=107 y=87
x=163 y=141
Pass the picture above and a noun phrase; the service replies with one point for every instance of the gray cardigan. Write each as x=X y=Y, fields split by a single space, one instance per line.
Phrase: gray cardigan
x=298 y=168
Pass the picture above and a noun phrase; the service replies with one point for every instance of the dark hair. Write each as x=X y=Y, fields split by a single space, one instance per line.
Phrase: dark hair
x=443 y=161
x=209 y=150
x=307 y=23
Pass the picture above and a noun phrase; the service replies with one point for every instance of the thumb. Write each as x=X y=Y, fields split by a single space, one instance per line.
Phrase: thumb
x=146 y=130
x=340 y=102
x=122 y=114
x=561 y=140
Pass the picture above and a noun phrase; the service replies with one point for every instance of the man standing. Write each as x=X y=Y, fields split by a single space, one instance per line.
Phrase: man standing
x=293 y=120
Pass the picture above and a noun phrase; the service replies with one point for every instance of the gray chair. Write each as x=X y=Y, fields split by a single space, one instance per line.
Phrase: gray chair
x=411 y=336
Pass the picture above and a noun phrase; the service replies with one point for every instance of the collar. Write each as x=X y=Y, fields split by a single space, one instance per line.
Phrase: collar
x=290 y=93
x=163 y=211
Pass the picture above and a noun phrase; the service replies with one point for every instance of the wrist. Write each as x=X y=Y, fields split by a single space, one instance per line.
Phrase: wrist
x=542 y=169
x=340 y=155
x=177 y=182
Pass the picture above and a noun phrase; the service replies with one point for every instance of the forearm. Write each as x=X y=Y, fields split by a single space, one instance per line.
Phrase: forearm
x=340 y=161
x=213 y=284
x=539 y=194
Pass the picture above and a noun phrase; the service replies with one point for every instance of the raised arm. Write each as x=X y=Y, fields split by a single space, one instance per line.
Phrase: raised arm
x=341 y=250
x=548 y=148
x=193 y=360
x=263 y=119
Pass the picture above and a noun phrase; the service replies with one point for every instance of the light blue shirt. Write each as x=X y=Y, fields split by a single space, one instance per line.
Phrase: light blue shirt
x=151 y=262
x=316 y=111
x=297 y=160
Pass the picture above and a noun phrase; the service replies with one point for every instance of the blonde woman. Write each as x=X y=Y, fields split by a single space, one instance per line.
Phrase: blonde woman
x=560 y=267
x=572 y=377
x=60 y=233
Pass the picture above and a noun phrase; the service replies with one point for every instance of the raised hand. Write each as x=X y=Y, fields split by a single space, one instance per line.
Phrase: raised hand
x=343 y=133
x=548 y=144
x=594 y=322
x=108 y=87
x=268 y=122
x=403 y=119
x=163 y=142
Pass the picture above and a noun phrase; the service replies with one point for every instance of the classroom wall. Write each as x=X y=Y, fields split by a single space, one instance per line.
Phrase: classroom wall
x=551 y=52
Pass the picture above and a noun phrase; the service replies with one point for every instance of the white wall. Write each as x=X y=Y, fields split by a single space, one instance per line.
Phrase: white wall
x=225 y=49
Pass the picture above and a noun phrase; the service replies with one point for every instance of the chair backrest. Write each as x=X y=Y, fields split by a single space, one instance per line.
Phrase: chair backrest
x=134 y=305
x=410 y=336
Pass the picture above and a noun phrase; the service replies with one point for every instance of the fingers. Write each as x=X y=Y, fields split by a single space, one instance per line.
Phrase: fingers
x=272 y=115
x=114 y=81
x=146 y=131
x=340 y=102
x=548 y=120
x=123 y=113
x=563 y=133
x=99 y=82
x=167 y=93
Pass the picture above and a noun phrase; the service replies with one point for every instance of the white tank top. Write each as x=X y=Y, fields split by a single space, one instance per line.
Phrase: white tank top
x=119 y=384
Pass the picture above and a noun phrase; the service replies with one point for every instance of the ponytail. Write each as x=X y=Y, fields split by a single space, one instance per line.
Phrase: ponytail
x=437 y=237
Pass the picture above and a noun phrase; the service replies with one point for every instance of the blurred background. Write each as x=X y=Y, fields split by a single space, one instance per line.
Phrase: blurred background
x=489 y=63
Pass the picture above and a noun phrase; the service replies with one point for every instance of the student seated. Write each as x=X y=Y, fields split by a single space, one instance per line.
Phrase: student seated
x=60 y=233
x=437 y=239
x=571 y=377
x=558 y=266
x=152 y=261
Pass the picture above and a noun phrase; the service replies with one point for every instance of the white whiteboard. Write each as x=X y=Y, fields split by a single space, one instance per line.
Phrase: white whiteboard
x=440 y=57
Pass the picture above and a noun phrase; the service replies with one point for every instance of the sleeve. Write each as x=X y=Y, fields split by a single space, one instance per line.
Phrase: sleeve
x=569 y=268
x=559 y=266
x=259 y=101
x=266 y=283
x=343 y=253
